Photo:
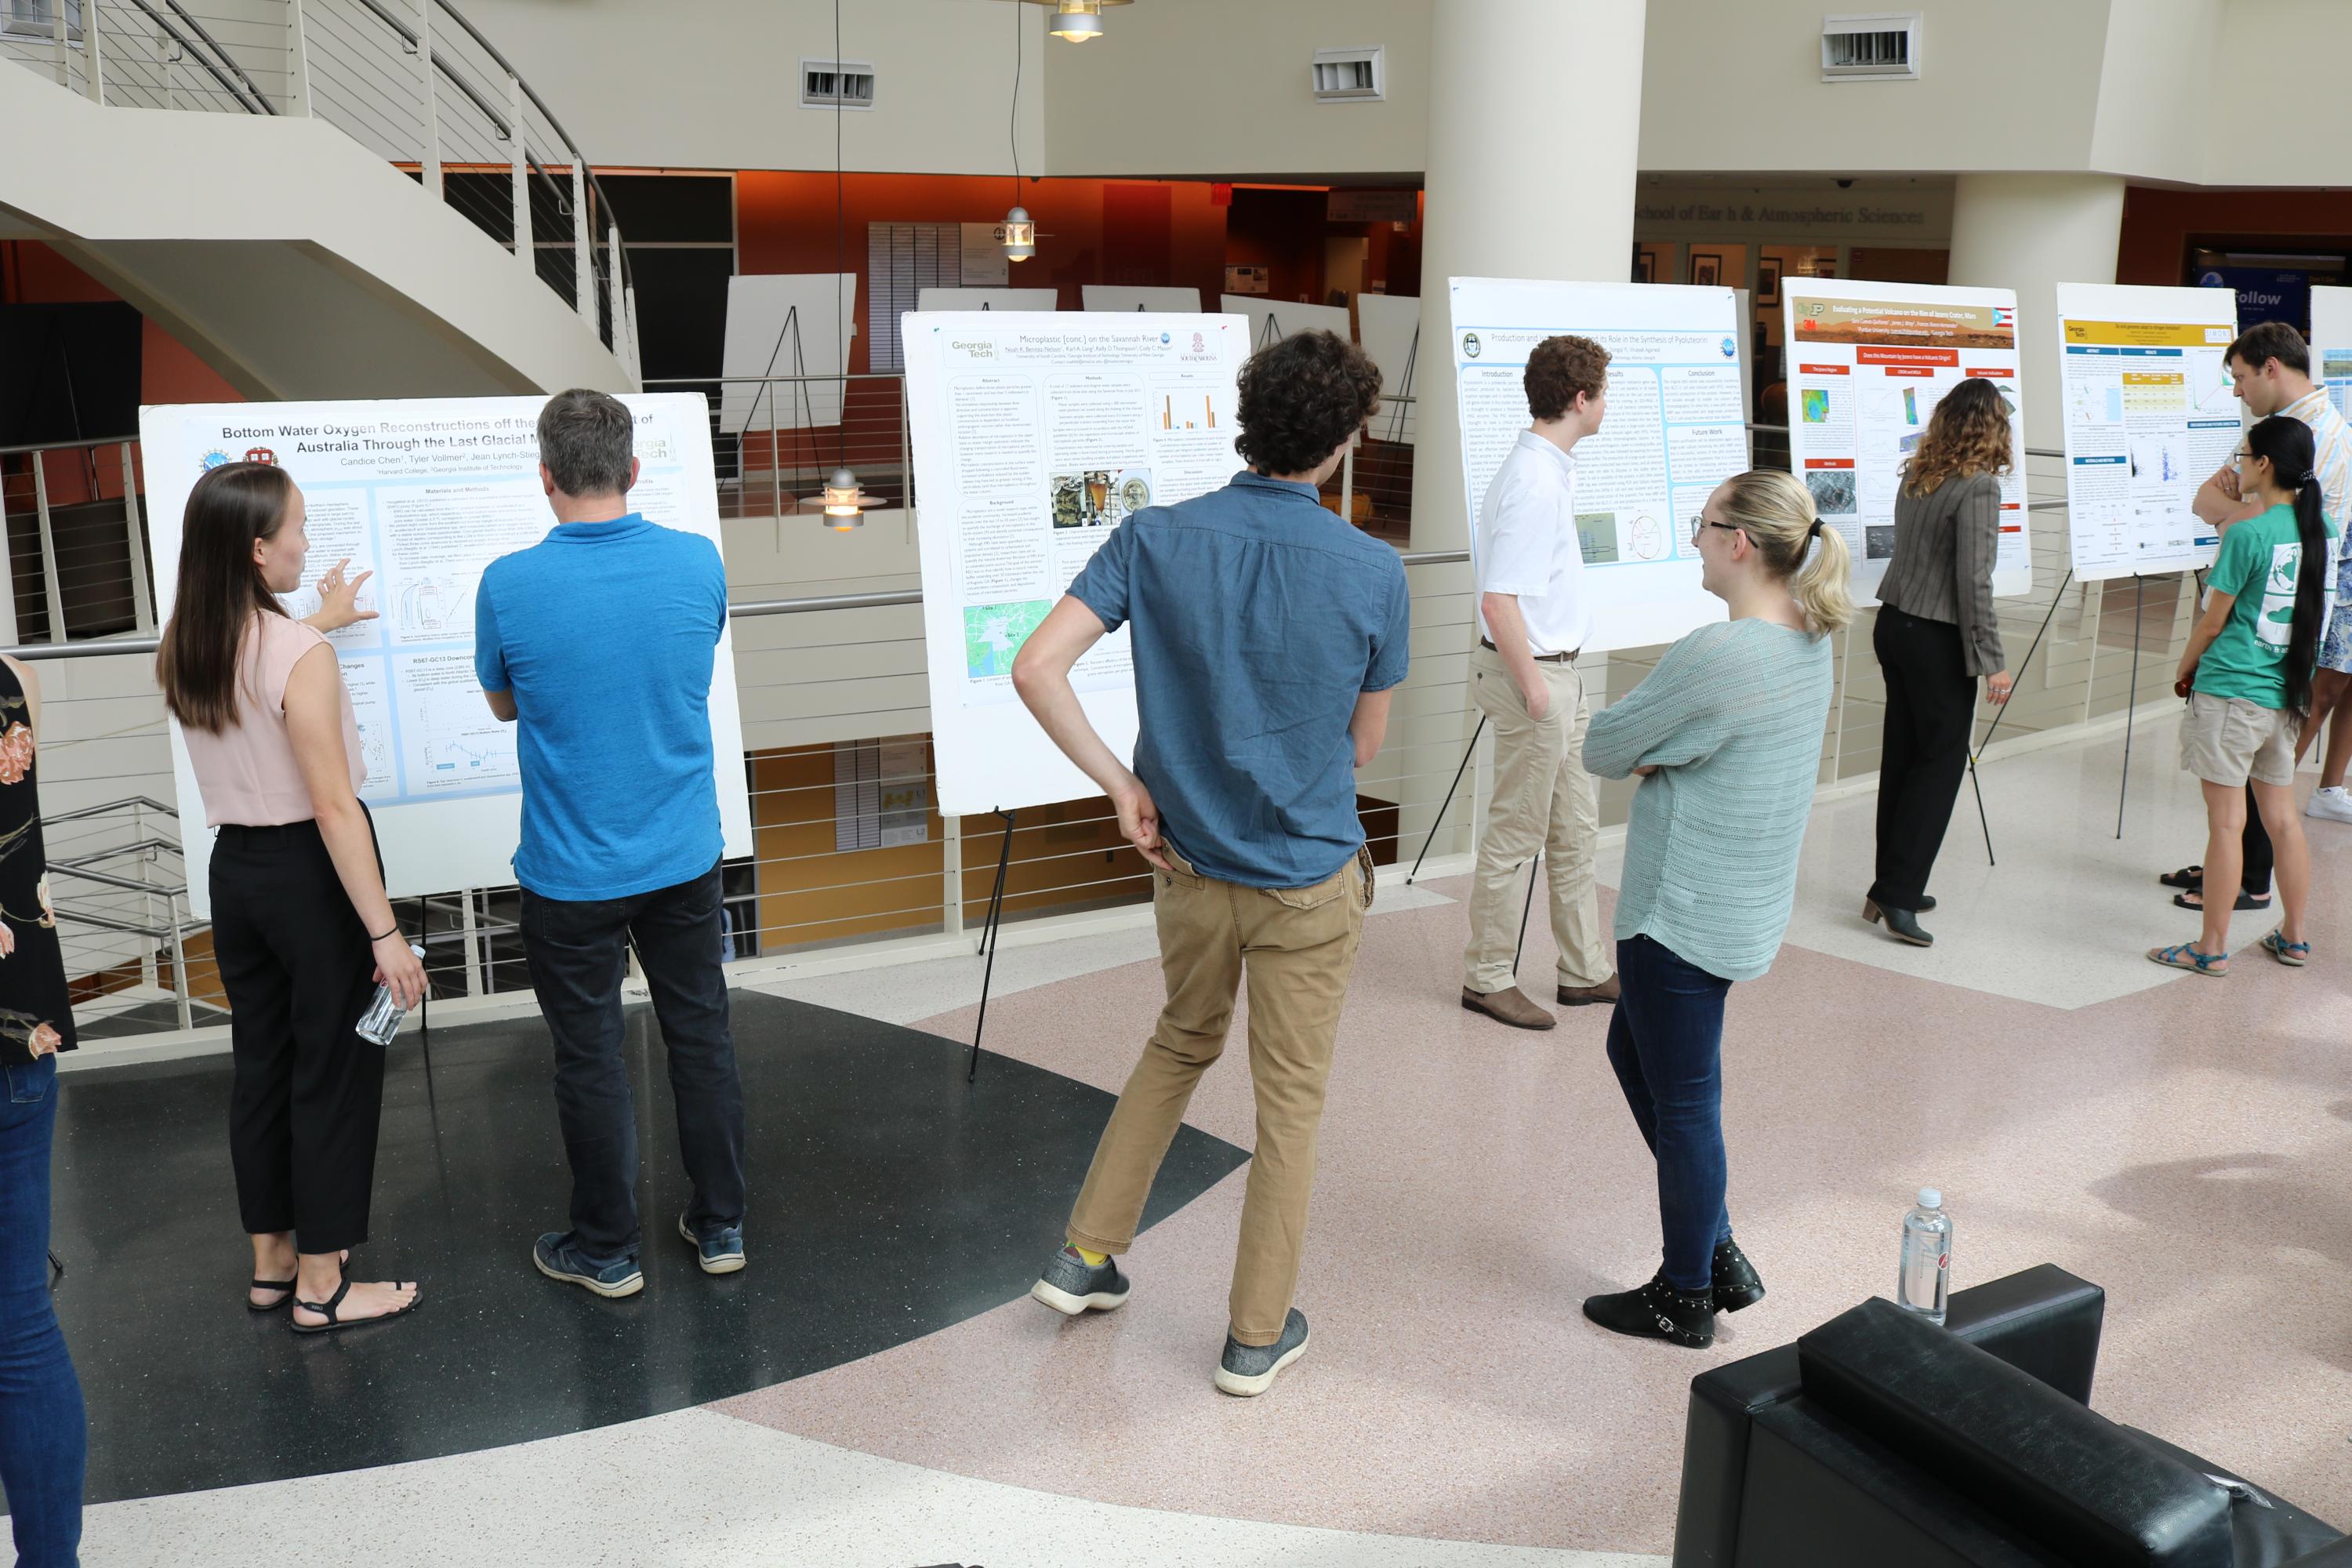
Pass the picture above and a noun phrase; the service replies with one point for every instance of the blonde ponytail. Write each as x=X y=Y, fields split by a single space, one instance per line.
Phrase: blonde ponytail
x=1821 y=585
x=1775 y=511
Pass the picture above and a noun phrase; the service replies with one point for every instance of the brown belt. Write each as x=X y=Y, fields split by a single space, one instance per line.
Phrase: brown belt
x=1540 y=658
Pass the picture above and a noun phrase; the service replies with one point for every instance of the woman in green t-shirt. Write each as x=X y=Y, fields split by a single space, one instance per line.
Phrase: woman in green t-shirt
x=2247 y=675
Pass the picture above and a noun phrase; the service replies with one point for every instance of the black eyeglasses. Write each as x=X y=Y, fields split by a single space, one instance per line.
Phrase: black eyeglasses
x=1700 y=524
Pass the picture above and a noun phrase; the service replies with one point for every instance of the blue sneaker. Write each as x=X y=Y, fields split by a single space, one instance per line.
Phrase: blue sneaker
x=1070 y=1286
x=719 y=1249
x=1250 y=1369
x=559 y=1256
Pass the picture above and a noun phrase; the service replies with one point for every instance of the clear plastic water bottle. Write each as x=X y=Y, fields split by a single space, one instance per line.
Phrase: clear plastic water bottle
x=381 y=1019
x=1927 y=1273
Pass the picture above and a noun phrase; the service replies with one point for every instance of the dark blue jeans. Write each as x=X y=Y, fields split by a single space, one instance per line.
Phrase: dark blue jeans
x=44 y=1435
x=1666 y=1041
x=578 y=956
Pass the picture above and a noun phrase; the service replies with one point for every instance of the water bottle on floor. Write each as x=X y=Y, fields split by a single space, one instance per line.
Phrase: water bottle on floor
x=382 y=1020
x=1927 y=1271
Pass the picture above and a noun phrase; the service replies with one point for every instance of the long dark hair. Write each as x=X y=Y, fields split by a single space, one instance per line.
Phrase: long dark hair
x=220 y=589
x=2286 y=441
x=1966 y=434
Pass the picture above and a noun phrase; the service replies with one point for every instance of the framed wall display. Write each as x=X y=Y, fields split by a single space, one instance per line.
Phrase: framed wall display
x=1706 y=269
x=1768 y=281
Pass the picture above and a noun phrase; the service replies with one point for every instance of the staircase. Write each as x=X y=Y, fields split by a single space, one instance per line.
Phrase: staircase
x=322 y=199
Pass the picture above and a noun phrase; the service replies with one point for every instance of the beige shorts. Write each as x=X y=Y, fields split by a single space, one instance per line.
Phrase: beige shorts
x=2228 y=740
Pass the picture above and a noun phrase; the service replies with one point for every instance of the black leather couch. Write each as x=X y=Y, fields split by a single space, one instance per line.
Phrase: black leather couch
x=1881 y=1441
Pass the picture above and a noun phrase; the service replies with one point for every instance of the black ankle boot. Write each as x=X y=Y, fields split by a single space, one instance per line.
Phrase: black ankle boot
x=1736 y=1284
x=1903 y=925
x=1658 y=1311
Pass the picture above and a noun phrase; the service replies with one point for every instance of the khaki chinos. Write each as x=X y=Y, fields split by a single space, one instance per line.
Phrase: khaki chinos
x=1297 y=947
x=1543 y=801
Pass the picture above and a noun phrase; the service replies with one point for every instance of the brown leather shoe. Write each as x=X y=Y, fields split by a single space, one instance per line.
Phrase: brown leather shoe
x=1509 y=1005
x=1585 y=996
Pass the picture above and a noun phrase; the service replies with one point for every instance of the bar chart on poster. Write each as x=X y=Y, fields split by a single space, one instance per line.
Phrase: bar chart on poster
x=1868 y=363
x=2149 y=415
x=425 y=494
x=1036 y=437
x=1674 y=430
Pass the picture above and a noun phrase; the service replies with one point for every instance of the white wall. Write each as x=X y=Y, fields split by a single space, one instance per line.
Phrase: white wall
x=716 y=84
x=1222 y=86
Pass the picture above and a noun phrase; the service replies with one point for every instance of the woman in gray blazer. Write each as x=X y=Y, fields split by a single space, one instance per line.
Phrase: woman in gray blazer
x=1937 y=633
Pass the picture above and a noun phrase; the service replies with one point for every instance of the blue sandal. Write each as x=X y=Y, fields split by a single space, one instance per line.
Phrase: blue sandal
x=2186 y=956
x=2291 y=954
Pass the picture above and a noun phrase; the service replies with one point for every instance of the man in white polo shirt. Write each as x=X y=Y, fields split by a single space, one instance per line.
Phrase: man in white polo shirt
x=1532 y=620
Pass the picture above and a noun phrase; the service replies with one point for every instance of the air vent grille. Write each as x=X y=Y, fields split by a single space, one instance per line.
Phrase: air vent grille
x=1348 y=76
x=827 y=84
x=1884 y=47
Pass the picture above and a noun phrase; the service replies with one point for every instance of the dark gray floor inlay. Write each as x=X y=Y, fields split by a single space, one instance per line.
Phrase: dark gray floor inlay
x=888 y=1201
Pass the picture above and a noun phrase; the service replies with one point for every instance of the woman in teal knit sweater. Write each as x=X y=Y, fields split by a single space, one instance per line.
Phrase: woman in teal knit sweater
x=1726 y=734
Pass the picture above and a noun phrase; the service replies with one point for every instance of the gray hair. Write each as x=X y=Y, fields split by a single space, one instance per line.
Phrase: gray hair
x=584 y=438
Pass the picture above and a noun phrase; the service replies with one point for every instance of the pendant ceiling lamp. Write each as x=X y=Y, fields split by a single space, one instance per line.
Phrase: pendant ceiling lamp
x=1076 y=20
x=843 y=502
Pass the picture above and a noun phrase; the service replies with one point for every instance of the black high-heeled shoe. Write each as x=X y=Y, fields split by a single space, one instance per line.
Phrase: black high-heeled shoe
x=1901 y=924
x=1736 y=1281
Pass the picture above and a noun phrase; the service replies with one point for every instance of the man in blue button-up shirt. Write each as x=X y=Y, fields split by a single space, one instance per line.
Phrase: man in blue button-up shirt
x=1268 y=636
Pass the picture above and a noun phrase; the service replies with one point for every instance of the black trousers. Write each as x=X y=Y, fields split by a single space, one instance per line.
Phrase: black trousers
x=308 y=1092
x=1930 y=704
x=577 y=951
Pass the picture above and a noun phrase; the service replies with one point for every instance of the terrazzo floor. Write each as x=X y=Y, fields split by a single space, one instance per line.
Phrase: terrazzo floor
x=2184 y=1142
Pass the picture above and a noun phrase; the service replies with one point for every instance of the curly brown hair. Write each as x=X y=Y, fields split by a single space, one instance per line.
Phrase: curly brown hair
x=1559 y=369
x=1301 y=399
x=1968 y=434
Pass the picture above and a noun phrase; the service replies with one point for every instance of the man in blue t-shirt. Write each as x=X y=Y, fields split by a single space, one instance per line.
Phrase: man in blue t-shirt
x=597 y=642
x=1267 y=636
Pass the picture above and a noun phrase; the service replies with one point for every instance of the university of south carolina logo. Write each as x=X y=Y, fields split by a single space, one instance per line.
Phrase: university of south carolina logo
x=1470 y=349
x=211 y=459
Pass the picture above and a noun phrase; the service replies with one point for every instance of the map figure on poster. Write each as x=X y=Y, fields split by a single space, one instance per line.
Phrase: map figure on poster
x=993 y=633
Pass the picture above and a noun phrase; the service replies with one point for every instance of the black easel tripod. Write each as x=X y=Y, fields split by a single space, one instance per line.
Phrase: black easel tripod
x=990 y=929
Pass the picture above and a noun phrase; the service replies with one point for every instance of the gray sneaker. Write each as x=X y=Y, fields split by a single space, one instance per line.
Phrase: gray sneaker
x=719 y=1249
x=1249 y=1370
x=1071 y=1286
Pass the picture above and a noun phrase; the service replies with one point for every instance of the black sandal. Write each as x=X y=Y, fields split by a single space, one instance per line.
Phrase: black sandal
x=286 y=1286
x=327 y=1309
x=2246 y=900
x=2189 y=876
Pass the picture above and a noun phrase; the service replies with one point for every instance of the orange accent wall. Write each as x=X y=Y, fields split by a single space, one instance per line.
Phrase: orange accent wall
x=2159 y=227
x=785 y=223
x=32 y=273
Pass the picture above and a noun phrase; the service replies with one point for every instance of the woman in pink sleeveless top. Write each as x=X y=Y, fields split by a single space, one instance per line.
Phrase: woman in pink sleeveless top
x=301 y=929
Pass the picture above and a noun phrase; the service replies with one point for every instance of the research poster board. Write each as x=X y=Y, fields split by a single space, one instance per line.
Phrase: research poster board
x=426 y=493
x=1131 y=299
x=1674 y=430
x=2331 y=344
x=1390 y=330
x=785 y=324
x=1036 y=438
x=1868 y=363
x=970 y=299
x=1271 y=321
x=2149 y=415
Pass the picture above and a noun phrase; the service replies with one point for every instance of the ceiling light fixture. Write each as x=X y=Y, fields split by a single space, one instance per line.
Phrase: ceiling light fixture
x=1077 y=20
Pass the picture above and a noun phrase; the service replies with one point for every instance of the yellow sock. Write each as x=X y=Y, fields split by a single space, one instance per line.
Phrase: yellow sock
x=1094 y=1259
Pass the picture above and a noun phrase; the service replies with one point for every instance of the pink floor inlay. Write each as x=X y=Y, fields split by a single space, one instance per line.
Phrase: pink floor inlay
x=2190 y=1148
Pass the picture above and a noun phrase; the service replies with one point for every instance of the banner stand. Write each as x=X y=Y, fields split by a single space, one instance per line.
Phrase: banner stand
x=1444 y=805
x=988 y=930
x=2131 y=698
x=1977 y=755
